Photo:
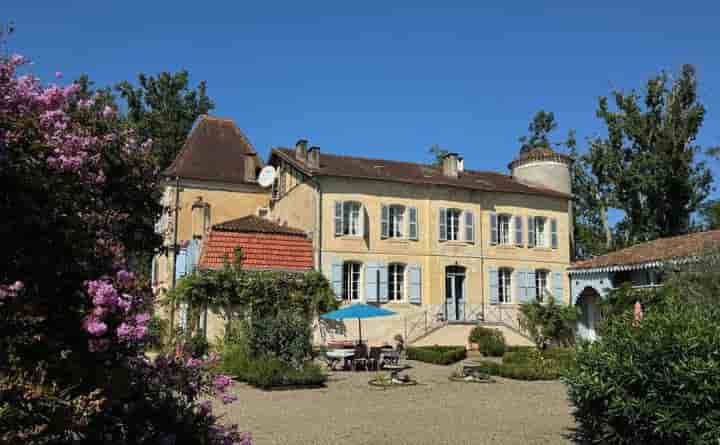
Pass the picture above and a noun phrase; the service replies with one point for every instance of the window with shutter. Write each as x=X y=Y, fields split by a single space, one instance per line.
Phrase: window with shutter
x=493 y=229
x=442 y=224
x=469 y=226
x=554 y=233
x=396 y=221
x=415 y=284
x=396 y=282
x=493 y=278
x=413 y=223
x=518 y=230
x=337 y=279
x=383 y=287
x=372 y=282
x=338 y=218
x=503 y=227
x=384 y=221
x=531 y=231
x=558 y=287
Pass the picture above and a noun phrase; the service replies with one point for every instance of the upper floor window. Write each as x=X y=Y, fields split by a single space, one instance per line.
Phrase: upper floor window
x=351 y=281
x=504 y=285
x=396 y=282
x=540 y=237
x=348 y=218
x=206 y=219
x=503 y=229
x=452 y=221
x=541 y=284
x=396 y=217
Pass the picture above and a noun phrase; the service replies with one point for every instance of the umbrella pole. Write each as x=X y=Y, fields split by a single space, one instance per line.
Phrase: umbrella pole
x=360 y=330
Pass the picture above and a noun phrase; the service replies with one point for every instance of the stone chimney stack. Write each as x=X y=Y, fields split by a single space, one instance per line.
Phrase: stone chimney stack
x=461 y=165
x=313 y=157
x=301 y=150
x=198 y=218
x=450 y=165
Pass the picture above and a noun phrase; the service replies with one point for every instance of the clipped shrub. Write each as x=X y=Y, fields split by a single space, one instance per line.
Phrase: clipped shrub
x=488 y=367
x=285 y=336
x=269 y=372
x=439 y=355
x=491 y=342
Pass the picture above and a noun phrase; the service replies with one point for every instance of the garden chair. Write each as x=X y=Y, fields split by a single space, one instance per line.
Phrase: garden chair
x=374 y=358
x=360 y=359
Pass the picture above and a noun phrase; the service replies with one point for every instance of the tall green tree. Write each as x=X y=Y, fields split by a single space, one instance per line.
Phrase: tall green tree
x=542 y=125
x=438 y=153
x=164 y=108
x=646 y=165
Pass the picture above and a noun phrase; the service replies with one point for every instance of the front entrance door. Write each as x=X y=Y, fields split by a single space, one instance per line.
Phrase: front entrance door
x=455 y=293
x=589 y=315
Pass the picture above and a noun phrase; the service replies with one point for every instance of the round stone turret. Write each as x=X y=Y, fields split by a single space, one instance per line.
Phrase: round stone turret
x=542 y=166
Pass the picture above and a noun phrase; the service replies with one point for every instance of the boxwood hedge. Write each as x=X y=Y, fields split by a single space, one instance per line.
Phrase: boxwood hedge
x=439 y=355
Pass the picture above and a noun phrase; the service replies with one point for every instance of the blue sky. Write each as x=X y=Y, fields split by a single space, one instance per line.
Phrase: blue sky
x=385 y=79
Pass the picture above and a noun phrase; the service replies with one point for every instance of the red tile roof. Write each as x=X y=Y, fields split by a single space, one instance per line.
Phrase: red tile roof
x=662 y=249
x=409 y=172
x=261 y=250
x=255 y=224
x=216 y=150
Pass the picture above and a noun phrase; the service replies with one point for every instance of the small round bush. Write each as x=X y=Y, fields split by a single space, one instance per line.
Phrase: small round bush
x=491 y=342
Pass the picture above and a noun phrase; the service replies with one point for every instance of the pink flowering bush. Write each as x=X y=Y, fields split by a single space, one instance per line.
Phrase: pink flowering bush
x=78 y=195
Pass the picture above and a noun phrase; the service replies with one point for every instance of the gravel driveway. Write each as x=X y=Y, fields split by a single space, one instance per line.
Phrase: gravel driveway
x=349 y=412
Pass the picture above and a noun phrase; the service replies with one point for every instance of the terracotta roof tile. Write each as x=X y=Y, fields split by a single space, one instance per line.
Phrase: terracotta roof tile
x=662 y=249
x=265 y=245
x=409 y=172
x=215 y=150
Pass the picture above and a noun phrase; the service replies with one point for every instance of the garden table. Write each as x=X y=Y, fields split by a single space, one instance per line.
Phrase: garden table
x=339 y=355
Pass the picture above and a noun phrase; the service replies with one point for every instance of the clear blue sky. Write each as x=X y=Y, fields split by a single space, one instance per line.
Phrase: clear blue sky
x=370 y=79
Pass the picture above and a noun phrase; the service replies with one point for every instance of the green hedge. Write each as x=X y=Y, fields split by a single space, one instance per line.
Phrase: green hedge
x=531 y=364
x=491 y=342
x=439 y=355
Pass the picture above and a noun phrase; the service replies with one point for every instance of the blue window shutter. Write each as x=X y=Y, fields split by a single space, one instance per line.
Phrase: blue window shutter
x=493 y=272
x=193 y=256
x=442 y=223
x=337 y=276
x=181 y=264
x=372 y=279
x=415 y=288
x=557 y=287
x=338 y=218
x=383 y=286
x=522 y=285
x=469 y=226
x=384 y=221
x=413 y=223
x=554 y=233
x=531 y=290
x=531 y=231
x=518 y=230
x=493 y=228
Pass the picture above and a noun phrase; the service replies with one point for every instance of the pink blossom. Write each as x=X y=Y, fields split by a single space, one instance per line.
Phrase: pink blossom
x=95 y=326
x=125 y=278
x=124 y=331
x=221 y=382
x=228 y=399
x=102 y=293
x=142 y=318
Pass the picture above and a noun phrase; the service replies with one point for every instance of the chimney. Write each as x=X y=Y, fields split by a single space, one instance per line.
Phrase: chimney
x=314 y=157
x=301 y=150
x=450 y=165
x=461 y=165
x=250 y=175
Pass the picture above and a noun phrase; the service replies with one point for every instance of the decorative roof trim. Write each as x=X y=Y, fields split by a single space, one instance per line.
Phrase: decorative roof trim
x=639 y=266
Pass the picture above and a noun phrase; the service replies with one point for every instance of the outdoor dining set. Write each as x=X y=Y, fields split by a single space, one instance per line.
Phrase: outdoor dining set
x=348 y=356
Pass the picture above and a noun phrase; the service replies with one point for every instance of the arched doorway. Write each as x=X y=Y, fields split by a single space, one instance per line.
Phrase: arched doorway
x=455 y=293
x=589 y=314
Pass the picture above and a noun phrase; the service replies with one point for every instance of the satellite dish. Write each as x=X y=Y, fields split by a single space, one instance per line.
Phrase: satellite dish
x=266 y=176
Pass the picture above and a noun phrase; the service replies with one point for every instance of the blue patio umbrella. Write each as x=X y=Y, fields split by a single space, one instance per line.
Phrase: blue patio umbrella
x=358 y=311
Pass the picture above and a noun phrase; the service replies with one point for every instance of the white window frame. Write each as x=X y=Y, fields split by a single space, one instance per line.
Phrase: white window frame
x=396 y=221
x=352 y=271
x=541 y=228
x=352 y=218
x=541 y=284
x=504 y=228
x=396 y=282
x=504 y=285
x=452 y=224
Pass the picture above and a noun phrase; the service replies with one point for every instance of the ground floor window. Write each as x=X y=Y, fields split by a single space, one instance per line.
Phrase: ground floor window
x=541 y=284
x=504 y=285
x=351 y=281
x=396 y=282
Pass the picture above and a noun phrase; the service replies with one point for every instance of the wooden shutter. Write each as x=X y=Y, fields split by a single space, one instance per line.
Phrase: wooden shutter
x=518 y=230
x=522 y=285
x=493 y=272
x=415 y=284
x=181 y=264
x=493 y=228
x=338 y=218
x=553 y=233
x=413 y=223
x=557 y=283
x=442 y=222
x=337 y=277
x=469 y=226
x=384 y=221
x=372 y=281
x=531 y=290
x=531 y=231
x=383 y=283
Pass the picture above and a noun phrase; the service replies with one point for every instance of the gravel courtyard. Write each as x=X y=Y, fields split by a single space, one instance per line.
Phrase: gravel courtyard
x=350 y=412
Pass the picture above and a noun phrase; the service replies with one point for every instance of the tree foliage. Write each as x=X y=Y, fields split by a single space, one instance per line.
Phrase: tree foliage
x=438 y=153
x=163 y=108
x=549 y=323
x=542 y=125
